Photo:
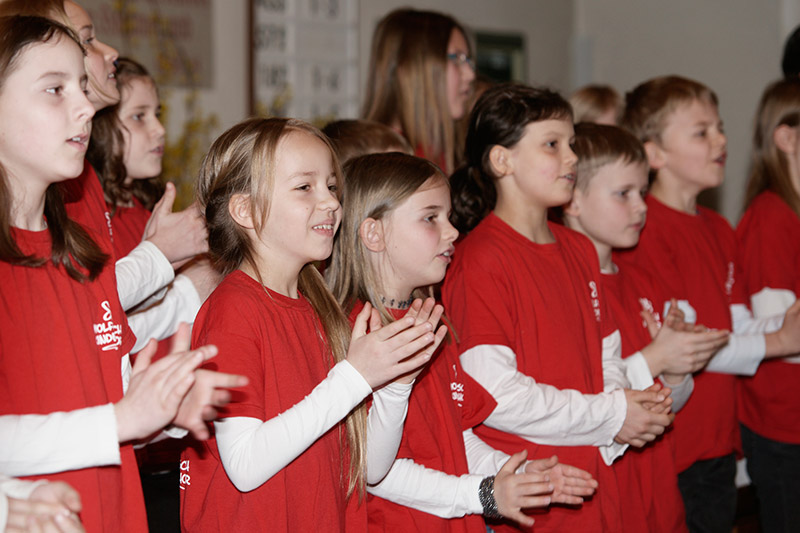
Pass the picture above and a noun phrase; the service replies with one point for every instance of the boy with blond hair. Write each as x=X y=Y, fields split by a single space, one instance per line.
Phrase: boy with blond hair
x=691 y=251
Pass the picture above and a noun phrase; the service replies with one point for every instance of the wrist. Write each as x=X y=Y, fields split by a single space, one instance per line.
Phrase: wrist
x=673 y=379
x=488 y=501
x=653 y=360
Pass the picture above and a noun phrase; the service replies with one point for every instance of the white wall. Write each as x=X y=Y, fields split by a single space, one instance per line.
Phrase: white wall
x=733 y=46
x=228 y=95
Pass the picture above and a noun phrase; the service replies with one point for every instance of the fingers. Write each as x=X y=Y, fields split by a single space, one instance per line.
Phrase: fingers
x=164 y=205
x=411 y=341
x=514 y=462
x=650 y=322
x=69 y=523
x=182 y=340
x=414 y=309
x=391 y=330
x=360 y=324
x=541 y=465
x=412 y=363
x=60 y=492
x=144 y=357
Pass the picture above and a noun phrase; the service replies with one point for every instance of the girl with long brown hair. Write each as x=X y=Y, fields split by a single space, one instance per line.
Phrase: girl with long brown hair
x=420 y=78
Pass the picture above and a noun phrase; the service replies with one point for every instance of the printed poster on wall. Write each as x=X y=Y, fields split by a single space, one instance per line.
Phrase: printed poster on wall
x=305 y=58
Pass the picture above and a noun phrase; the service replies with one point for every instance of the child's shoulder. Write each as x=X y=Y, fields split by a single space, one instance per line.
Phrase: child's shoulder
x=715 y=222
x=237 y=293
x=769 y=208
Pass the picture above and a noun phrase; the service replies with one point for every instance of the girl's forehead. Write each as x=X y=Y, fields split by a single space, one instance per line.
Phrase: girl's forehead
x=59 y=55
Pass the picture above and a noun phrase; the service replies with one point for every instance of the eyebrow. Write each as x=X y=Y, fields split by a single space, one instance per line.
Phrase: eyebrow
x=54 y=74
x=434 y=206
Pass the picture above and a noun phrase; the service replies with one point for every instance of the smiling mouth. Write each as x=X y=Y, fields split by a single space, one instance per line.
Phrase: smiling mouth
x=323 y=227
x=721 y=159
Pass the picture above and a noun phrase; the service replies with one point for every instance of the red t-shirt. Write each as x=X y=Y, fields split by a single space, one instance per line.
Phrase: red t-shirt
x=278 y=343
x=693 y=257
x=647 y=477
x=444 y=402
x=127 y=227
x=61 y=344
x=543 y=302
x=86 y=204
x=769 y=252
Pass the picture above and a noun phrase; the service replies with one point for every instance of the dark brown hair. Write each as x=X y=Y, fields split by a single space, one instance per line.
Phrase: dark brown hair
x=353 y=138
x=499 y=118
x=72 y=247
x=107 y=147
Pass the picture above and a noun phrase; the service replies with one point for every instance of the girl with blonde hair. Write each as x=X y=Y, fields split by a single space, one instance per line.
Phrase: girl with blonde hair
x=299 y=432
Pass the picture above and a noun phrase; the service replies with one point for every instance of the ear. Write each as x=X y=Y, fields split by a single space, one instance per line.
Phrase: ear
x=655 y=155
x=573 y=208
x=500 y=160
x=785 y=138
x=371 y=233
x=239 y=209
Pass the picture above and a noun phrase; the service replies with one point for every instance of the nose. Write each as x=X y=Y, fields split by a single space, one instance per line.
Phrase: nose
x=328 y=201
x=158 y=130
x=467 y=72
x=450 y=233
x=570 y=157
x=84 y=109
x=110 y=53
x=640 y=207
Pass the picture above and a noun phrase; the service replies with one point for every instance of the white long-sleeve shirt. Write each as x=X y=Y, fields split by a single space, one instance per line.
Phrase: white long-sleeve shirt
x=545 y=414
x=242 y=440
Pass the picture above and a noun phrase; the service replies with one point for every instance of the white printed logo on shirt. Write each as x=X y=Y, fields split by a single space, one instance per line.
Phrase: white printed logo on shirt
x=730 y=279
x=185 y=479
x=107 y=334
x=595 y=300
x=457 y=389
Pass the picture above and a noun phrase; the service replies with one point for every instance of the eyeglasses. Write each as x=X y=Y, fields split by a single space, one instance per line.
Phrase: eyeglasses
x=460 y=59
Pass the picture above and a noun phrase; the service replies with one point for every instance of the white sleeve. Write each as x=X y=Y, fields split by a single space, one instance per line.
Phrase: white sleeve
x=614 y=368
x=431 y=491
x=746 y=346
x=158 y=318
x=141 y=273
x=542 y=413
x=681 y=392
x=385 y=428
x=638 y=371
x=773 y=302
x=253 y=451
x=56 y=442
x=482 y=458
